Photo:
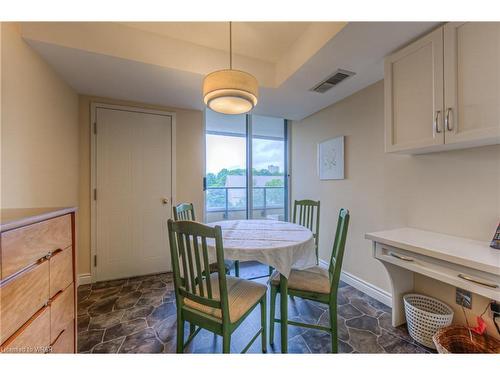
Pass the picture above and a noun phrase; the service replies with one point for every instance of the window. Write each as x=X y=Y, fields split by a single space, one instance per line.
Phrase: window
x=245 y=153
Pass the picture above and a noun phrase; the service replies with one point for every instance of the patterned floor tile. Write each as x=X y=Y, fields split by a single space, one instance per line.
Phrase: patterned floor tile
x=138 y=315
x=142 y=342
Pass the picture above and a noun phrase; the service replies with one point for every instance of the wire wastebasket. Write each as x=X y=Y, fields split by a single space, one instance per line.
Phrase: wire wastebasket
x=424 y=316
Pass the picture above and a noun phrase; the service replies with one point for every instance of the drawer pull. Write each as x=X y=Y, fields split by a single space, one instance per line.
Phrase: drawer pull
x=481 y=282
x=55 y=296
x=50 y=254
x=406 y=259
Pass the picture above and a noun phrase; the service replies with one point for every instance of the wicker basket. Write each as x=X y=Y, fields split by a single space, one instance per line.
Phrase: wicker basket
x=424 y=316
x=457 y=339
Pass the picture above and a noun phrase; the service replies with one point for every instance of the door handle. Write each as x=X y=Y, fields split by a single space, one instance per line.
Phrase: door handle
x=436 y=122
x=447 y=120
x=164 y=200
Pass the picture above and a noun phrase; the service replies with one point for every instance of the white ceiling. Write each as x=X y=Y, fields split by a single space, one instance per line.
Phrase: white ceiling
x=146 y=75
x=266 y=41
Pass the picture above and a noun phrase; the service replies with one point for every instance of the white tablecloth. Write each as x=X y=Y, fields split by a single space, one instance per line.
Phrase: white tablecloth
x=279 y=244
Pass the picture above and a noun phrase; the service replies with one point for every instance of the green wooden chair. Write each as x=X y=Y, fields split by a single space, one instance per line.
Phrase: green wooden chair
x=216 y=302
x=185 y=211
x=304 y=214
x=317 y=284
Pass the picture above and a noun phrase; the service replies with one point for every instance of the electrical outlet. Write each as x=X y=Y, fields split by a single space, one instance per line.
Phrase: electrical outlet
x=495 y=308
x=463 y=298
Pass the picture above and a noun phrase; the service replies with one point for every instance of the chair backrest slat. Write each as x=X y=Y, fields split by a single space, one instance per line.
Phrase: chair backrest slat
x=337 y=257
x=189 y=252
x=207 y=266
x=182 y=254
x=199 y=271
x=195 y=283
x=306 y=213
x=307 y=219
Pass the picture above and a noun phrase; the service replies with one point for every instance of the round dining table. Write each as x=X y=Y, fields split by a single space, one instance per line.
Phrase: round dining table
x=279 y=244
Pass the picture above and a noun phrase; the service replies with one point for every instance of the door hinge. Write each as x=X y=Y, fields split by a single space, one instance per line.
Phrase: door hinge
x=95 y=260
x=95 y=127
x=95 y=194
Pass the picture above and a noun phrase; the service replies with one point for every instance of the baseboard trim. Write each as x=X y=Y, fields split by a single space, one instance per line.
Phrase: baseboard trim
x=364 y=286
x=84 y=278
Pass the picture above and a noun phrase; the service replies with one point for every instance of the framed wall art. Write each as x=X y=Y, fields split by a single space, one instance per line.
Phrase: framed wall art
x=331 y=159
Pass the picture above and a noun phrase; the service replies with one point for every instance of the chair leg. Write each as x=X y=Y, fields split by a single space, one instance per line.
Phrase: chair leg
x=263 y=319
x=180 y=334
x=237 y=268
x=333 y=327
x=226 y=342
x=274 y=290
x=192 y=328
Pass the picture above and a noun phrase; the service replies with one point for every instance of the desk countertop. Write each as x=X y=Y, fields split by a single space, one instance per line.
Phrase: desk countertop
x=466 y=252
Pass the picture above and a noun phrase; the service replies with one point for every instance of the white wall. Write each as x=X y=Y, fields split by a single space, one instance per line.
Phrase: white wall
x=453 y=192
x=39 y=129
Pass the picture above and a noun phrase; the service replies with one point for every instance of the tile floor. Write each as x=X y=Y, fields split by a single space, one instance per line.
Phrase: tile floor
x=137 y=315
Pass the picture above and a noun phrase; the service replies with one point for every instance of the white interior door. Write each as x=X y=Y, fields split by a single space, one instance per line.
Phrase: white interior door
x=133 y=177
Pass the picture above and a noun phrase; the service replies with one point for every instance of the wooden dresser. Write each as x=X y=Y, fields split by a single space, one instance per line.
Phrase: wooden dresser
x=37 y=280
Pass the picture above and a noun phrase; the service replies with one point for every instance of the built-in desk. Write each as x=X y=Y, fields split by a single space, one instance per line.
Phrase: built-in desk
x=464 y=263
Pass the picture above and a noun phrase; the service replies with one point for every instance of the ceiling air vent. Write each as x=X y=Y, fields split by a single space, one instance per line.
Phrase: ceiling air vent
x=333 y=80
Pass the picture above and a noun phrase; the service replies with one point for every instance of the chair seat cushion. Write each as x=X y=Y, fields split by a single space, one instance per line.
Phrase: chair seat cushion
x=242 y=295
x=314 y=279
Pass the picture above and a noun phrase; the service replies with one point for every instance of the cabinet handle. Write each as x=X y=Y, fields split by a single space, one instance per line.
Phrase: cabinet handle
x=447 y=120
x=406 y=259
x=55 y=297
x=436 y=123
x=481 y=282
x=50 y=254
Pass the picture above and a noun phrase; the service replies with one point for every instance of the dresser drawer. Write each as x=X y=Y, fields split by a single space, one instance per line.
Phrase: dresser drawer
x=61 y=270
x=65 y=341
x=62 y=311
x=24 y=246
x=23 y=296
x=33 y=336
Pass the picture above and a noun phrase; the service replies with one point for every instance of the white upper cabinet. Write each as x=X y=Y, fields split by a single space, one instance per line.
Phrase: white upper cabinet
x=443 y=91
x=414 y=95
x=472 y=82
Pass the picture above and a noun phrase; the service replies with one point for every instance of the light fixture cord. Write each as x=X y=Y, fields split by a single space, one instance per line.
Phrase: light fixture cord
x=230 y=45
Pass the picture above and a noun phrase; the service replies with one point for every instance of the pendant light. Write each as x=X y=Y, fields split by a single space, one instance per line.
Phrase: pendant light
x=230 y=91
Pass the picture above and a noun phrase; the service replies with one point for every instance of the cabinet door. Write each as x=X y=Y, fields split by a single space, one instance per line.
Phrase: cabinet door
x=61 y=270
x=65 y=341
x=414 y=96
x=62 y=311
x=472 y=82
